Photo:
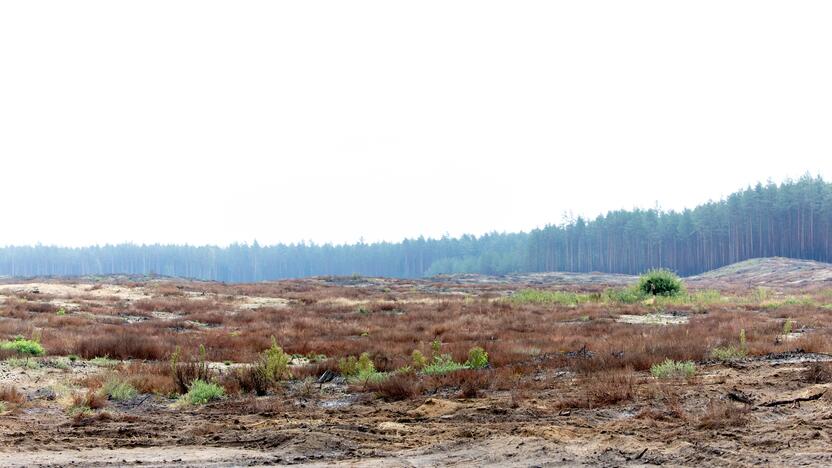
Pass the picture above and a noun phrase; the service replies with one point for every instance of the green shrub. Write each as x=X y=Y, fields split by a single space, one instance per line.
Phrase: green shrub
x=670 y=369
x=419 y=360
x=23 y=347
x=116 y=389
x=477 y=358
x=2 y=406
x=275 y=363
x=201 y=392
x=348 y=366
x=360 y=370
x=352 y=366
x=660 y=282
x=435 y=348
x=61 y=312
x=787 y=327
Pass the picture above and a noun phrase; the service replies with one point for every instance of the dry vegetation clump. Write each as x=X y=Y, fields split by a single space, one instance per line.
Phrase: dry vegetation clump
x=721 y=414
x=402 y=386
x=10 y=394
x=150 y=377
x=184 y=373
x=603 y=388
x=315 y=369
x=89 y=400
x=125 y=342
x=467 y=383
x=818 y=373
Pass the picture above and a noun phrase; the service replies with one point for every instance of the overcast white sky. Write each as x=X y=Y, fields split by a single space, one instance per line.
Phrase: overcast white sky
x=213 y=122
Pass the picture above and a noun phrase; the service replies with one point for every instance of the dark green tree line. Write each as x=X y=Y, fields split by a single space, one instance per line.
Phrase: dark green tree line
x=793 y=219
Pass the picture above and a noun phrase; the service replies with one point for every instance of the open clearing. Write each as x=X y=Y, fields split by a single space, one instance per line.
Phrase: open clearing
x=568 y=380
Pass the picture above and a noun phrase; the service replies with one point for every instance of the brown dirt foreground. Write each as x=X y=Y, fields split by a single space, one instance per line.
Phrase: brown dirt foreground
x=496 y=430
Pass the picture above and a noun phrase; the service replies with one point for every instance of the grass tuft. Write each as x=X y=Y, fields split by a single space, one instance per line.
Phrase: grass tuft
x=673 y=369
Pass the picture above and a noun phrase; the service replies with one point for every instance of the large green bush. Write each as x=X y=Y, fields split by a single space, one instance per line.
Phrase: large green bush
x=23 y=347
x=660 y=282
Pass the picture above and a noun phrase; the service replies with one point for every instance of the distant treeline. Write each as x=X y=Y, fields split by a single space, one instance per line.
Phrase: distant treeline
x=793 y=219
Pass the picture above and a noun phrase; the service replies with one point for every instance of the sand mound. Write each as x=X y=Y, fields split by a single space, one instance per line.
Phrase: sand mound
x=769 y=272
x=434 y=408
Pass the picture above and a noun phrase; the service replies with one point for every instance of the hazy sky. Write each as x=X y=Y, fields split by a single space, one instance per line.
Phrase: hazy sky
x=213 y=122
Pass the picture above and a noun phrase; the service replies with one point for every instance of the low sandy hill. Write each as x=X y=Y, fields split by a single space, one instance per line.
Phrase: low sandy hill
x=769 y=272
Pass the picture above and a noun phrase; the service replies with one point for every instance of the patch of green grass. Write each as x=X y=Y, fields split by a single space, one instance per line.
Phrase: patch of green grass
x=673 y=369
x=118 y=390
x=800 y=301
x=2 y=406
x=79 y=411
x=58 y=363
x=442 y=364
x=623 y=295
x=104 y=361
x=373 y=376
x=201 y=392
x=537 y=296
x=805 y=301
x=760 y=294
x=728 y=353
x=23 y=363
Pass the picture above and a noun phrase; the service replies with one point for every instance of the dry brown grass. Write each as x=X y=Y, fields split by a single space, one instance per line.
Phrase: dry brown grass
x=720 y=414
x=150 y=377
x=818 y=373
x=603 y=388
x=89 y=399
x=398 y=387
x=11 y=394
x=522 y=340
